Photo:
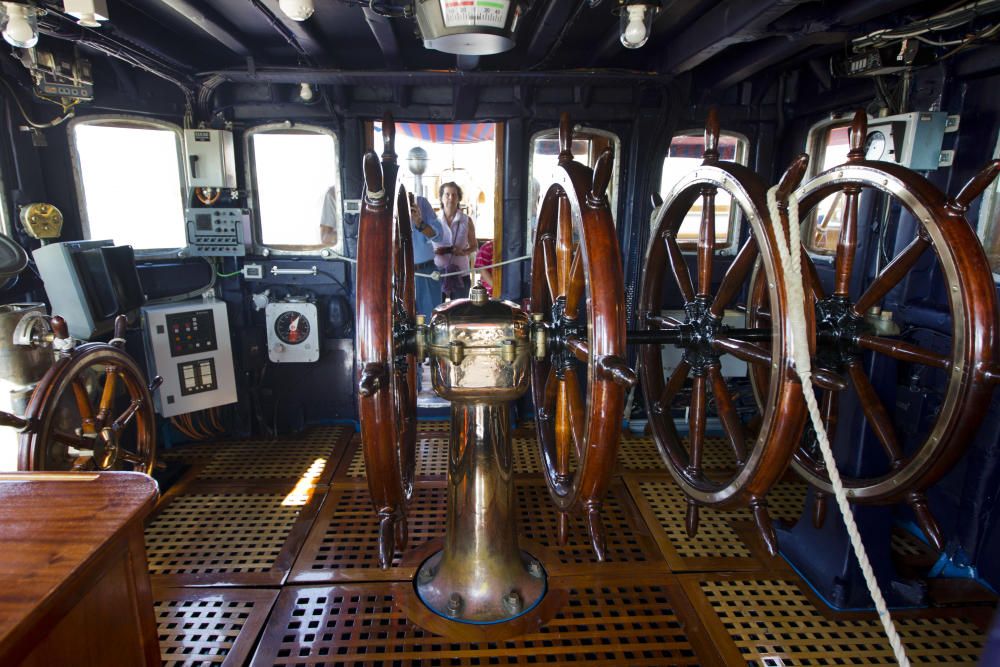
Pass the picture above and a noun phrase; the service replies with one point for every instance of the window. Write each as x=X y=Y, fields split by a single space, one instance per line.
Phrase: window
x=686 y=154
x=128 y=174
x=296 y=178
x=989 y=220
x=828 y=144
x=588 y=144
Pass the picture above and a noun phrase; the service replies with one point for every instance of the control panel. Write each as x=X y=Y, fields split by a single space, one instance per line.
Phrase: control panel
x=292 y=331
x=188 y=345
x=214 y=232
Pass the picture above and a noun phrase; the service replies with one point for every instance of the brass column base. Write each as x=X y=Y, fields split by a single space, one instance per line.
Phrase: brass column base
x=484 y=601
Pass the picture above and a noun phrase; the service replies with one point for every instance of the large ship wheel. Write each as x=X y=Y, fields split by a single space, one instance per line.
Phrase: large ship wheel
x=577 y=291
x=762 y=444
x=849 y=332
x=386 y=364
x=91 y=411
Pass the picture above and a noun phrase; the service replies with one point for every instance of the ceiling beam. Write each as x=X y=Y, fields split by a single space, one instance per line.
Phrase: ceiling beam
x=212 y=23
x=550 y=26
x=822 y=28
x=731 y=22
x=381 y=28
x=301 y=35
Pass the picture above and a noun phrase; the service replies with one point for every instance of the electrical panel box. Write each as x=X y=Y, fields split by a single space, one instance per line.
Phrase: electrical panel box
x=214 y=232
x=89 y=284
x=188 y=345
x=911 y=140
x=211 y=161
x=292 y=331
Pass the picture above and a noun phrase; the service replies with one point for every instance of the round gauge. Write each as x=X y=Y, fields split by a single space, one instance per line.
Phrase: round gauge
x=291 y=327
x=875 y=145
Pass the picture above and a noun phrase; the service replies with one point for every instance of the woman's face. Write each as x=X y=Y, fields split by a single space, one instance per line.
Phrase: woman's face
x=449 y=201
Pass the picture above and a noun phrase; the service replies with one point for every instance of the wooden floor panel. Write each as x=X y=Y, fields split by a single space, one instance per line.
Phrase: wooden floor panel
x=210 y=626
x=343 y=543
x=265 y=551
x=611 y=622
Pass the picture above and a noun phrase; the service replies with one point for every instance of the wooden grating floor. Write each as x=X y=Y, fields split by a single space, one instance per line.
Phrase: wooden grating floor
x=265 y=553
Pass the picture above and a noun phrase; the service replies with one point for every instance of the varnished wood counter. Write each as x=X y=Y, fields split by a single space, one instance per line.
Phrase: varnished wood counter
x=74 y=584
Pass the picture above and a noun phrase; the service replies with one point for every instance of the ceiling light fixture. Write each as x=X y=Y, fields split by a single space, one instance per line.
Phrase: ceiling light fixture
x=19 y=24
x=88 y=13
x=636 y=21
x=297 y=10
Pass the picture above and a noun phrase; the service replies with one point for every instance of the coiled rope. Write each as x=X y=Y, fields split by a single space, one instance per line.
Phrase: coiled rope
x=792 y=271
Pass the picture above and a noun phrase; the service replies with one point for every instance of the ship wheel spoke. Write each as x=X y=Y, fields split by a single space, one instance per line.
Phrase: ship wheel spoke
x=812 y=277
x=903 y=351
x=563 y=430
x=111 y=374
x=551 y=273
x=574 y=285
x=551 y=391
x=72 y=440
x=678 y=267
x=735 y=276
x=706 y=241
x=731 y=423
x=83 y=406
x=664 y=321
x=580 y=349
x=696 y=424
x=847 y=245
x=130 y=456
x=674 y=385
x=890 y=276
x=564 y=244
x=748 y=352
x=829 y=406
x=127 y=416
x=577 y=415
x=876 y=414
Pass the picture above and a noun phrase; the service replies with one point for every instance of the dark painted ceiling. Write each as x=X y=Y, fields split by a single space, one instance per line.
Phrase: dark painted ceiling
x=714 y=44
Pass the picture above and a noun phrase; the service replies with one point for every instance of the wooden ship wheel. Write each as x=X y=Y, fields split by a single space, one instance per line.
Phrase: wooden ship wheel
x=577 y=294
x=851 y=337
x=92 y=410
x=387 y=397
x=760 y=445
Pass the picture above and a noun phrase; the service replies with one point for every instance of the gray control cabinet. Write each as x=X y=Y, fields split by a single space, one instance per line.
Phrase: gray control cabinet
x=188 y=345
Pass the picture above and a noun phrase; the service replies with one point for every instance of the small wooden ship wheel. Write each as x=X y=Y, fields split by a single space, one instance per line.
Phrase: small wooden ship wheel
x=850 y=336
x=577 y=294
x=92 y=410
x=387 y=394
x=761 y=444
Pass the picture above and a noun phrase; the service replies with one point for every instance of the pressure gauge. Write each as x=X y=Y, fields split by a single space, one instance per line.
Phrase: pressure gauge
x=292 y=331
x=875 y=144
x=291 y=327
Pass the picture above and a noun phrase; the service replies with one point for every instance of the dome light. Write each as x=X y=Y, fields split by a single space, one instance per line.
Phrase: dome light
x=88 y=13
x=636 y=21
x=19 y=24
x=297 y=10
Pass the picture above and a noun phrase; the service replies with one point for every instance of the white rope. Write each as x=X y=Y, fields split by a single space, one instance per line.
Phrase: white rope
x=792 y=270
x=437 y=275
x=117 y=342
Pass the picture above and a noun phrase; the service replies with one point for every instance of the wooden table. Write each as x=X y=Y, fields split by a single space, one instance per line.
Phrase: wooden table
x=74 y=584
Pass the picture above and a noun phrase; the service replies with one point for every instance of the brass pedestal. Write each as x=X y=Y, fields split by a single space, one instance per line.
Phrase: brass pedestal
x=480 y=358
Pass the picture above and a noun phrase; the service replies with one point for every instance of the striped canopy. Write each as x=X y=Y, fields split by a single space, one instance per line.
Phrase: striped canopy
x=694 y=146
x=452 y=133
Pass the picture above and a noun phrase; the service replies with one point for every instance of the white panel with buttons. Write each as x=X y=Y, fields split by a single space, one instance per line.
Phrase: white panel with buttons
x=188 y=345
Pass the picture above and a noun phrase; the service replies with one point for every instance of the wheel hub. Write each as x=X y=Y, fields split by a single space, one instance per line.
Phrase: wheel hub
x=562 y=329
x=837 y=327
x=698 y=334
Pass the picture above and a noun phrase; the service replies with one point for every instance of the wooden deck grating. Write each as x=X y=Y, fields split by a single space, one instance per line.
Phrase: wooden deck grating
x=275 y=563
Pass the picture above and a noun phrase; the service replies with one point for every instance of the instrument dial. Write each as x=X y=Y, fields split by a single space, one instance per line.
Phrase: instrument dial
x=875 y=145
x=291 y=327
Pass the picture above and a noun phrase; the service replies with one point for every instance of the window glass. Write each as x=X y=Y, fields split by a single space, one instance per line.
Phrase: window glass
x=685 y=155
x=462 y=153
x=296 y=176
x=588 y=144
x=989 y=220
x=129 y=180
x=829 y=144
